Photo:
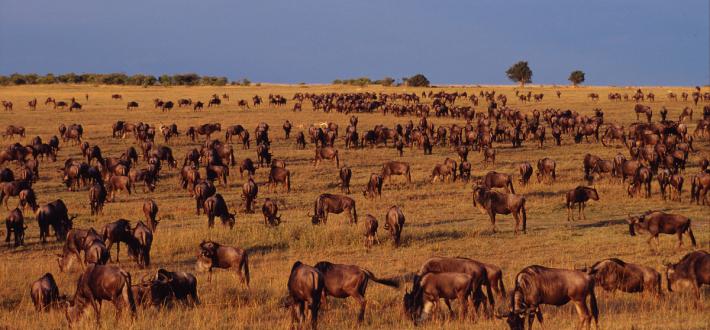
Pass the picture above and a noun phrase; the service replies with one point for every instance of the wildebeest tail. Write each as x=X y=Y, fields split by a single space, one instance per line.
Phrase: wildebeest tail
x=355 y=212
x=593 y=305
x=245 y=266
x=690 y=233
x=288 y=181
x=525 y=216
x=388 y=282
x=127 y=293
x=510 y=184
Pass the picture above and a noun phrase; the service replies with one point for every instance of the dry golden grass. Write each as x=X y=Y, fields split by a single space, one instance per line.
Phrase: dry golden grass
x=440 y=218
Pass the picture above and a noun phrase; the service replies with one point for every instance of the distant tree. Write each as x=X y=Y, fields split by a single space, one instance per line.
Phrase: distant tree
x=576 y=77
x=386 y=81
x=520 y=72
x=165 y=80
x=417 y=80
x=246 y=82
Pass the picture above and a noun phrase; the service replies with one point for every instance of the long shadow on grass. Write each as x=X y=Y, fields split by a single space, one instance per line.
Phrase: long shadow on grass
x=436 y=223
x=267 y=248
x=602 y=223
x=433 y=236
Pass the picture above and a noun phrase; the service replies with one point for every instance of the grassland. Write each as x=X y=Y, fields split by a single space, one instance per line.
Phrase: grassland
x=440 y=217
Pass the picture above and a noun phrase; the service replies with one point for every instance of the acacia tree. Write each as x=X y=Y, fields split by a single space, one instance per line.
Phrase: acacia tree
x=417 y=80
x=576 y=77
x=520 y=72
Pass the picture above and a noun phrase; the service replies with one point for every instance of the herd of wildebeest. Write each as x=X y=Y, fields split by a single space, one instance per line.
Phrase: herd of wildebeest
x=656 y=149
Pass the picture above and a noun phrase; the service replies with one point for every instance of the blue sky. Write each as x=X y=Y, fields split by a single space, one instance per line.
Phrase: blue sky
x=614 y=42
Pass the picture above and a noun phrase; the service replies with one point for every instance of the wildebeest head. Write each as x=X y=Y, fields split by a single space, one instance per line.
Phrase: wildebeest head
x=633 y=223
x=204 y=262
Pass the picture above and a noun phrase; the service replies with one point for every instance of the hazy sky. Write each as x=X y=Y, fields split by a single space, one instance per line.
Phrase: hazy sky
x=614 y=42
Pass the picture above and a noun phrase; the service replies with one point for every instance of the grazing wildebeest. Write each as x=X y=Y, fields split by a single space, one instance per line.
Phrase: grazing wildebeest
x=394 y=223
x=98 y=283
x=526 y=171
x=329 y=153
x=270 y=211
x=97 y=198
x=247 y=165
x=28 y=199
x=345 y=174
x=492 y=202
x=119 y=182
x=54 y=214
x=15 y=224
x=11 y=189
x=150 y=210
x=699 y=187
x=579 y=195
x=117 y=232
x=203 y=190
x=45 y=293
x=465 y=171
x=280 y=175
x=657 y=222
x=489 y=155
x=371 y=226
x=165 y=154
x=693 y=269
x=546 y=169
x=374 y=186
x=215 y=255
x=250 y=190
x=143 y=238
x=614 y=274
x=430 y=288
x=306 y=285
x=329 y=203
x=676 y=183
x=396 y=168
x=494 y=179
x=537 y=285
x=263 y=155
x=443 y=172
x=183 y=285
x=342 y=281
x=589 y=162
x=215 y=206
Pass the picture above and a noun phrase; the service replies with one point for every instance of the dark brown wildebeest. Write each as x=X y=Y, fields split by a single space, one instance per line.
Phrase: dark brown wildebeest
x=263 y=155
x=119 y=183
x=220 y=173
x=396 y=168
x=693 y=269
x=371 y=226
x=642 y=180
x=287 y=129
x=97 y=198
x=182 y=285
x=699 y=187
x=95 y=251
x=430 y=288
x=374 y=186
x=131 y=105
x=546 y=169
x=117 y=232
x=215 y=255
x=526 y=171
x=494 y=179
x=301 y=140
x=99 y=283
x=676 y=183
x=32 y=104
x=45 y=293
x=140 y=251
x=250 y=190
x=657 y=222
x=614 y=274
x=537 y=285
x=116 y=97
x=491 y=276
x=443 y=172
x=270 y=211
x=345 y=174
x=11 y=189
x=329 y=153
x=28 y=199
x=394 y=223
x=54 y=214
x=465 y=171
x=11 y=130
x=579 y=195
x=306 y=286
x=234 y=130
x=150 y=210
x=247 y=165
x=342 y=281
x=203 y=190
x=215 y=206
x=165 y=154
x=152 y=292
x=15 y=224
x=643 y=109
x=492 y=202
x=329 y=203
x=72 y=248
x=489 y=155
x=589 y=162
x=280 y=175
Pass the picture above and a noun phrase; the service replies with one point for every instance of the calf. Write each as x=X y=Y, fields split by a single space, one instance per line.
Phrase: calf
x=215 y=206
x=374 y=186
x=394 y=223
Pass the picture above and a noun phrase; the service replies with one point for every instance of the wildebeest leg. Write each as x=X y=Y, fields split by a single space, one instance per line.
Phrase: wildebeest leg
x=584 y=316
x=118 y=250
x=448 y=304
x=581 y=211
x=7 y=225
x=96 y=304
x=680 y=239
x=363 y=304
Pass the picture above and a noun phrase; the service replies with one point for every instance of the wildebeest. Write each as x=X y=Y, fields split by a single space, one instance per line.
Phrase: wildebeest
x=98 y=283
x=97 y=198
x=396 y=168
x=15 y=225
x=492 y=275
x=374 y=186
x=119 y=182
x=215 y=206
x=11 y=189
x=45 y=293
x=430 y=288
x=693 y=269
x=329 y=203
x=492 y=202
x=526 y=171
x=546 y=169
x=215 y=255
x=329 y=153
x=537 y=285
x=643 y=109
x=614 y=274
x=247 y=165
x=280 y=175
x=394 y=223
x=182 y=284
x=140 y=250
x=306 y=286
x=250 y=190
x=270 y=211
x=203 y=190
x=342 y=281
x=579 y=195
x=494 y=179
x=371 y=226
x=657 y=222
x=699 y=187
x=54 y=214
x=150 y=210
x=345 y=174
x=117 y=232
